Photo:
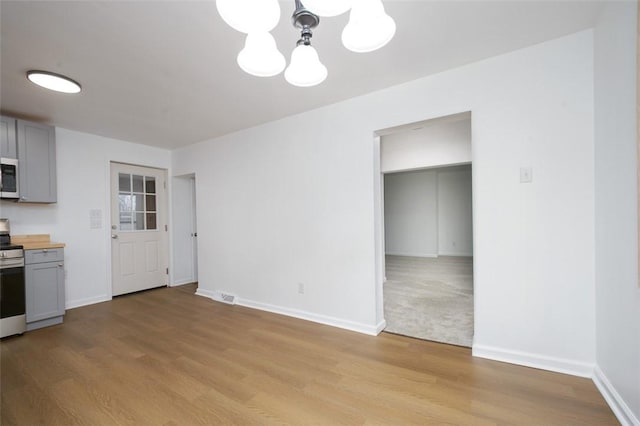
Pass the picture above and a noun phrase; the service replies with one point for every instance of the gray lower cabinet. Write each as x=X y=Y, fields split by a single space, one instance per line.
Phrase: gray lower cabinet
x=44 y=276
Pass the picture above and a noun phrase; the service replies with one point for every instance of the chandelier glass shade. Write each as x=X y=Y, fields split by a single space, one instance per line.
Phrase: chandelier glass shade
x=248 y=16
x=260 y=56
x=369 y=28
x=305 y=69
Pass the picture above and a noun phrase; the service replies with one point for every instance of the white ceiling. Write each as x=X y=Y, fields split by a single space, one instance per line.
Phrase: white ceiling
x=164 y=73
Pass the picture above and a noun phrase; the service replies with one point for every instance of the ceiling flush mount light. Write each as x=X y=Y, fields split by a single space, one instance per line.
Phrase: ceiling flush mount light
x=53 y=81
x=369 y=28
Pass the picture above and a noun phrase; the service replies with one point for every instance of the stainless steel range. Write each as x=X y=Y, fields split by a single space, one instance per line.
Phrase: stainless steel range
x=12 y=291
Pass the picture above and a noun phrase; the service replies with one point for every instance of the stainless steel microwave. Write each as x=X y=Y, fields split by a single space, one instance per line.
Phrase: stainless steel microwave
x=9 y=178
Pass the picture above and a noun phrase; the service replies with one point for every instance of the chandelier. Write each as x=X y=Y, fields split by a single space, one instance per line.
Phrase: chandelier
x=369 y=28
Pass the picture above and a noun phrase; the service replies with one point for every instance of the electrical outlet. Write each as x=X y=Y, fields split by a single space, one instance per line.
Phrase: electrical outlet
x=301 y=288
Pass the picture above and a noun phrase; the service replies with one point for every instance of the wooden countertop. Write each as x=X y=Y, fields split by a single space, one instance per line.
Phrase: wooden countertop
x=35 y=242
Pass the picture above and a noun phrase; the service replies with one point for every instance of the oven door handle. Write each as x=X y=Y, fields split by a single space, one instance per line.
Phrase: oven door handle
x=12 y=263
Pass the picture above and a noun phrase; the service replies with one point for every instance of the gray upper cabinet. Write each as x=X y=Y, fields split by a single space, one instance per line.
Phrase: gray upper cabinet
x=8 y=143
x=37 y=162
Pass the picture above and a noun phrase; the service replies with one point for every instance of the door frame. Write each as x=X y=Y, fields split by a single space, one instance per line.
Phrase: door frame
x=379 y=225
x=107 y=221
x=178 y=192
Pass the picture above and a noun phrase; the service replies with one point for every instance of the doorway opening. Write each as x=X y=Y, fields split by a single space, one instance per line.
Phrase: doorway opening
x=426 y=247
x=185 y=230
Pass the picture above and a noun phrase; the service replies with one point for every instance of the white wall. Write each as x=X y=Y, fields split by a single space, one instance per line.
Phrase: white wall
x=618 y=295
x=292 y=201
x=428 y=213
x=440 y=142
x=411 y=213
x=83 y=185
x=455 y=221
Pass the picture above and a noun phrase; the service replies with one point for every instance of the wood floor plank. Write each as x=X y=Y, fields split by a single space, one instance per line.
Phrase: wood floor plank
x=168 y=357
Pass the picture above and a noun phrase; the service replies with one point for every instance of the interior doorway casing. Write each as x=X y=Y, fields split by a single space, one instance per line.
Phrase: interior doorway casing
x=379 y=241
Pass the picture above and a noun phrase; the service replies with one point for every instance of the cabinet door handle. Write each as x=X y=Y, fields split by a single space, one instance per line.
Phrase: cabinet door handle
x=60 y=265
x=45 y=250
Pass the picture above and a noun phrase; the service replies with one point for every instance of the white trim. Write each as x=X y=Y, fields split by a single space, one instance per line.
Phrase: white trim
x=618 y=406
x=394 y=253
x=182 y=282
x=543 y=362
x=455 y=254
x=214 y=295
x=304 y=315
x=309 y=316
x=88 y=301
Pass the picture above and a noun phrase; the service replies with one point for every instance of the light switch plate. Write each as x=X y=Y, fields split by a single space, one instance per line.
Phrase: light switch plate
x=95 y=219
x=526 y=175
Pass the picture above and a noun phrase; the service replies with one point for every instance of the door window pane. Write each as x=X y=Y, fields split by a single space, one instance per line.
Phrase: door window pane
x=137 y=202
x=151 y=221
x=150 y=203
x=139 y=222
x=150 y=185
x=125 y=222
x=124 y=182
x=124 y=202
x=138 y=183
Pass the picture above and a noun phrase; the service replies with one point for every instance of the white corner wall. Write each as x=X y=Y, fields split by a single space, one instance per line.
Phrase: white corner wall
x=411 y=213
x=616 y=215
x=83 y=184
x=276 y=209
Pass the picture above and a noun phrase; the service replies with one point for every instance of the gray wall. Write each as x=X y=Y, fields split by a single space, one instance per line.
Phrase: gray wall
x=428 y=212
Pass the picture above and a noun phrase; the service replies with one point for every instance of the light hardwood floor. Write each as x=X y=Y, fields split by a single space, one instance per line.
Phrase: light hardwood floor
x=168 y=357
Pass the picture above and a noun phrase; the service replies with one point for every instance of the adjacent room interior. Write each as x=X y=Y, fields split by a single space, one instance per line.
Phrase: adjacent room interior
x=428 y=230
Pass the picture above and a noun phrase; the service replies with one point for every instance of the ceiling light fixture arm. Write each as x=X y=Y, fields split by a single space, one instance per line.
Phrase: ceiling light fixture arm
x=305 y=21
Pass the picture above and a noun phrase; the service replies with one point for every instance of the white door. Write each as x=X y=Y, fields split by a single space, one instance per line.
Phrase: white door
x=194 y=228
x=138 y=228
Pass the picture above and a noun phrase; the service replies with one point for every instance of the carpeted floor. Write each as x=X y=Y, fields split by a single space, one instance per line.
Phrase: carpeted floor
x=430 y=298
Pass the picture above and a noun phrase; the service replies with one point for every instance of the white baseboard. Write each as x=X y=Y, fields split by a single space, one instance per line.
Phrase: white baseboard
x=309 y=316
x=395 y=253
x=455 y=254
x=559 y=365
x=88 y=301
x=381 y=326
x=207 y=293
x=295 y=313
x=618 y=406
x=181 y=282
